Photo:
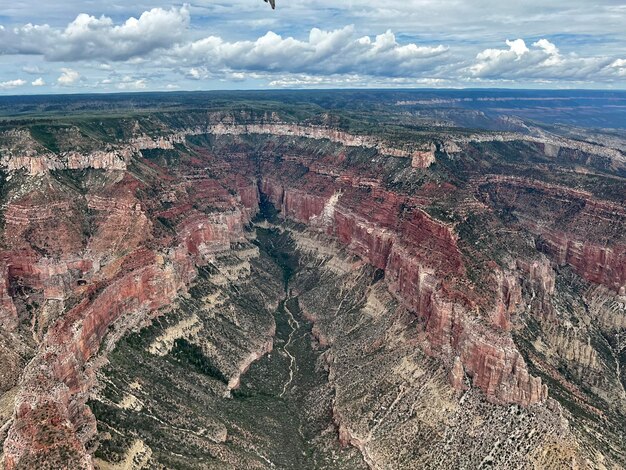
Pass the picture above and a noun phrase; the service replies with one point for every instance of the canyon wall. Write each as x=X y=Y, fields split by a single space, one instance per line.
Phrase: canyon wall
x=117 y=248
x=118 y=283
x=580 y=231
x=421 y=261
x=420 y=158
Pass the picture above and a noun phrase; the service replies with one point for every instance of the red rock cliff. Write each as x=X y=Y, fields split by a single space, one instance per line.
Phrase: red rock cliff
x=128 y=281
x=423 y=269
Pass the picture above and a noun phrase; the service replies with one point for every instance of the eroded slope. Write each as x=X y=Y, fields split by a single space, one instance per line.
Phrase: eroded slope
x=405 y=299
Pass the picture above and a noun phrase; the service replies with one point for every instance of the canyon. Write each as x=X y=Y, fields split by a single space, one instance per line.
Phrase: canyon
x=196 y=289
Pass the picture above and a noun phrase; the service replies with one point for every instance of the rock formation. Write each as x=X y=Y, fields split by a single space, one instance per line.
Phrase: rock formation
x=445 y=303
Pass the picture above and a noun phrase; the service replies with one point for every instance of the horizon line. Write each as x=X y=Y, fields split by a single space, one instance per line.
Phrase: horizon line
x=280 y=90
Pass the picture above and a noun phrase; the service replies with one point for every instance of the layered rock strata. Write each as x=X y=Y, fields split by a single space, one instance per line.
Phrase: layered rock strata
x=83 y=262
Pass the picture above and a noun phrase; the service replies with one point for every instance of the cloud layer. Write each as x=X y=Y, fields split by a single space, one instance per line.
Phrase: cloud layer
x=88 y=37
x=322 y=53
x=543 y=61
x=164 y=48
x=12 y=84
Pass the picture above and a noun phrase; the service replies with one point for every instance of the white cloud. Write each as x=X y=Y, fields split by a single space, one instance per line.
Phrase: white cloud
x=130 y=83
x=68 y=77
x=324 y=53
x=491 y=58
x=350 y=81
x=238 y=76
x=518 y=47
x=12 y=84
x=197 y=73
x=620 y=67
x=160 y=33
x=38 y=82
x=547 y=46
x=88 y=37
x=450 y=47
x=542 y=62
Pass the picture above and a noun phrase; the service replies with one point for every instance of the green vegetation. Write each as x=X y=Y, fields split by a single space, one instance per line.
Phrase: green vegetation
x=45 y=136
x=163 y=157
x=282 y=409
x=192 y=355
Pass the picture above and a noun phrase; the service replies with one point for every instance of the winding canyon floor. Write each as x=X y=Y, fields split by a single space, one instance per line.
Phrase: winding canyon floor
x=172 y=411
x=271 y=284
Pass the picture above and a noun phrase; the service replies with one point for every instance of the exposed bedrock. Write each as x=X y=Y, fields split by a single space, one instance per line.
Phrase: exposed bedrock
x=81 y=265
x=52 y=422
x=423 y=268
x=572 y=227
x=55 y=383
x=598 y=264
x=399 y=404
x=421 y=157
x=8 y=312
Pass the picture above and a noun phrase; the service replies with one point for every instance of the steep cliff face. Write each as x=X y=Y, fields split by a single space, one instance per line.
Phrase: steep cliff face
x=8 y=312
x=40 y=164
x=596 y=263
x=99 y=255
x=369 y=337
x=573 y=227
x=55 y=385
x=420 y=158
x=424 y=285
x=424 y=270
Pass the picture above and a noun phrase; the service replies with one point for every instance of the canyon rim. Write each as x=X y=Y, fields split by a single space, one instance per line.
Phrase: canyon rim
x=312 y=279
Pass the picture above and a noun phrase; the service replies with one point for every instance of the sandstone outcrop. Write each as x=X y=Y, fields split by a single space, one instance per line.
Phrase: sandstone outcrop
x=420 y=259
x=458 y=275
x=601 y=259
x=420 y=158
x=38 y=164
x=8 y=313
x=118 y=279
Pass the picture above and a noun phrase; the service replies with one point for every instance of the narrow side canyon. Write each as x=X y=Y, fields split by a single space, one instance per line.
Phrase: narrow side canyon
x=243 y=293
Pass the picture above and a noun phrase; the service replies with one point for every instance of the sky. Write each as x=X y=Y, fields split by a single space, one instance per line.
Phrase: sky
x=116 y=45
